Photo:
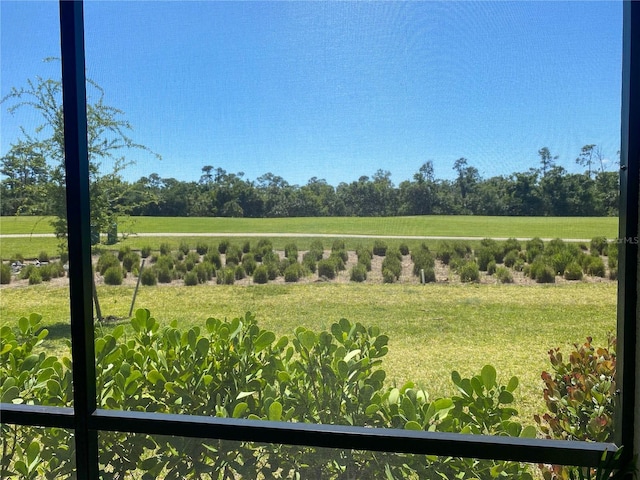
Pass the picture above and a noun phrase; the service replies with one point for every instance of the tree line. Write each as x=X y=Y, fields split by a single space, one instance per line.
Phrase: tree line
x=33 y=180
x=548 y=191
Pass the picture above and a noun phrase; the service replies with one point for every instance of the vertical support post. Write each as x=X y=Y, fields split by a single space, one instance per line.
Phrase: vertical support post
x=78 y=219
x=628 y=358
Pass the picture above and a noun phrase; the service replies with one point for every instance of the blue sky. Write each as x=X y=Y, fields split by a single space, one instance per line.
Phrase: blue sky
x=338 y=90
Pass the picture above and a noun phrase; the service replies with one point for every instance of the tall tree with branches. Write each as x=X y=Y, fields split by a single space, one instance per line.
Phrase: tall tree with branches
x=108 y=139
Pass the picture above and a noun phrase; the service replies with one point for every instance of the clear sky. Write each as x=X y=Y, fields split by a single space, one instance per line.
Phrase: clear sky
x=338 y=90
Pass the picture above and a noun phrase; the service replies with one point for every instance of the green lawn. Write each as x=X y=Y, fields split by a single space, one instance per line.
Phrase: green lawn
x=465 y=226
x=433 y=329
x=433 y=225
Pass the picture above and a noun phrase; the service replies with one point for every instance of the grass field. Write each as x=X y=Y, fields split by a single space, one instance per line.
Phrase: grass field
x=432 y=225
x=454 y=226
x=433 y=329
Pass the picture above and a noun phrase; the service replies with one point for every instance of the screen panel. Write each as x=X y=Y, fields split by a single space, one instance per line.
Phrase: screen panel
x=492 y=243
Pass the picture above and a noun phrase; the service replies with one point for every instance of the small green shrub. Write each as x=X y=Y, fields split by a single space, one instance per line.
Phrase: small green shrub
x=246 y=247
x=511 y=244
x=388 y=276
x=165 y=275
x=404 y=249
x=469 y=272
x=519 y=265
x=148 y=277
x=364 y=257
x=249 y=263
x=25 y=272
x=380 y=248
x=260 y=274
x=491 y=267
x=338 y=244
x=554 y=246
x=57 y=269
x=612 y=258
x=358 y=273
x=283 y=264
x=599 y=245
x=45 y=273
x=223 y=245
x=309 y=261
x=165 y=249
x=213 y=258
x=191 y=279
x=184 y=247
x=226 y=276
x=43 y=257
x=445 y=252
x=193 y=256
x=573 y=271
x=393 y=265
x=263 y=247
x=145 y=251
x=317 y=250
x=233 y=255
x=534 y=248
x=503 y=275
x=64 y=257
x=189 y=265
x=202 y=248
x=122 y=251
x=204 y=271
x=545 y=275
x=130 y=261
x=35 y=277
x=293 y=273
x=239 y=272
x=106 y=261
x=273 y=269
x=179 y=270
x=484 y=255
x=327 y=268
x=595 y=266
x=165 y=261
x=291 y=251
x=5 y=274
x=510 y=258
x=113 y=276
x=338 y=262
x=422 y=260
x=365 y=261
x=429 y=275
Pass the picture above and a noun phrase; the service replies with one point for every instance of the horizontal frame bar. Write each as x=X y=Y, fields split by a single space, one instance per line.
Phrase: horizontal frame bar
x=37 y=415
x=528 y=450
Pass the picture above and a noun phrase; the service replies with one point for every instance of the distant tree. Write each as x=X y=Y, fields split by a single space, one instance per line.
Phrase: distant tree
x=586 y=157
x=26 y=178
x=547 y=161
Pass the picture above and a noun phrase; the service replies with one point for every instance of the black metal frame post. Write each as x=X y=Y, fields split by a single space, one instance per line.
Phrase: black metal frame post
x=628 y=369
x=76 y=156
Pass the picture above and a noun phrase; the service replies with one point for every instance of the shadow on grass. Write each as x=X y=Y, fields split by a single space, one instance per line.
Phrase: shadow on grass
x=58 y=331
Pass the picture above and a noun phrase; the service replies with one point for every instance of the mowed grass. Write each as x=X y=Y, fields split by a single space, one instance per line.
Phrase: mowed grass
x=433 y=329
x=428 y=225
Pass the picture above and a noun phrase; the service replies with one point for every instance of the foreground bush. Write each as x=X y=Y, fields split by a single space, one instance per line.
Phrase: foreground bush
x=235 y=369
x=580 y=395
